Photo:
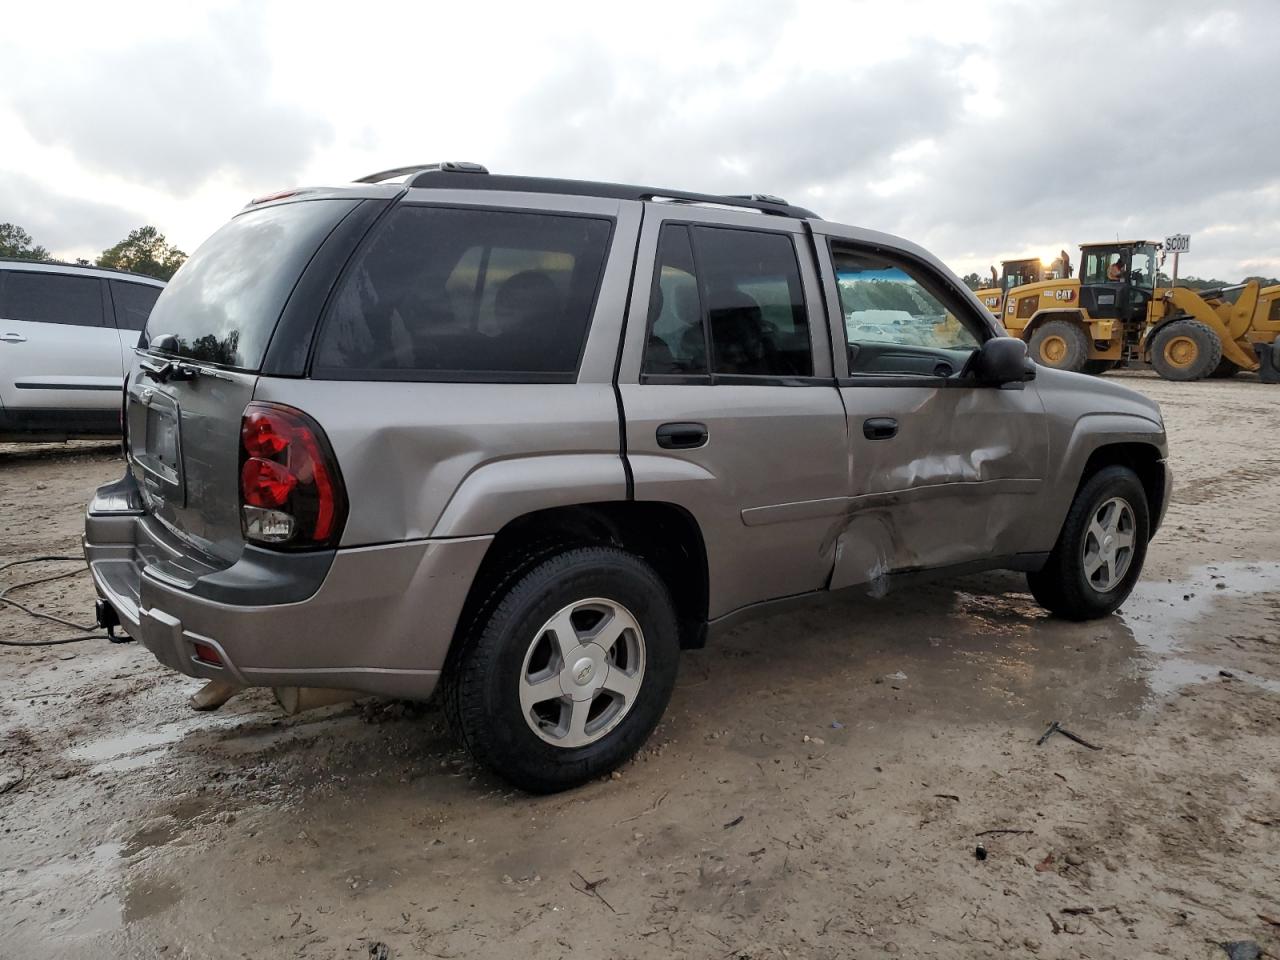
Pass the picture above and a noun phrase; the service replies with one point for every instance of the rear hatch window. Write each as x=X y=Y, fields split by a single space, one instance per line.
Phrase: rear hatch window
x=223 y=304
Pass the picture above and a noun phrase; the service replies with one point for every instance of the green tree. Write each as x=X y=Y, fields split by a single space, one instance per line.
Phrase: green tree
x=973 y=281
x=17 y=243
x=146 y=251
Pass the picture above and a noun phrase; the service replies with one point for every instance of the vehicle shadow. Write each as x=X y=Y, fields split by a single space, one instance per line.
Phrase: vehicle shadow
x=974 y=650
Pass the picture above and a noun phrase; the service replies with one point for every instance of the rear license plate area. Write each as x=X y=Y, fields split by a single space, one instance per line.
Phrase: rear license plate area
x=155 y=447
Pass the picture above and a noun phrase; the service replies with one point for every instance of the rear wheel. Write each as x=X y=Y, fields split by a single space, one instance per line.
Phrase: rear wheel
x=1186 y=350
x=568 y=672
x=1100 y=550
x=1060 y=344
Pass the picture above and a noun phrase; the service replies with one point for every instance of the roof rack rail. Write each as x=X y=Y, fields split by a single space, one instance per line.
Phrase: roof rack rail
x=442 y=177
x=79 y=266
x=445 y=166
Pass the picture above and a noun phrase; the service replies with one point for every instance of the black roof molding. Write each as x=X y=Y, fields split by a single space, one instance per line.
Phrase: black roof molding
x=469 y=176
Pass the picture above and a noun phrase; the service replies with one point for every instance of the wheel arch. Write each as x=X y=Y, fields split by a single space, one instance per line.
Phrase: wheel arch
x=664 y=535
x=1144 y=459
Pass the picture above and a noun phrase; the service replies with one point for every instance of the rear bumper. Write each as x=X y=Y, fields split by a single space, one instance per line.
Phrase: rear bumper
x=379 y=620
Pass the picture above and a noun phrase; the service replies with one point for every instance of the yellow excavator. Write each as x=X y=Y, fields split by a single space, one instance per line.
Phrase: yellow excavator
x=1115 y=313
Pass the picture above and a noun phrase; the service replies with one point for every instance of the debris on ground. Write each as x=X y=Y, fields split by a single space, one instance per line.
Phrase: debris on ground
x=1056 y=727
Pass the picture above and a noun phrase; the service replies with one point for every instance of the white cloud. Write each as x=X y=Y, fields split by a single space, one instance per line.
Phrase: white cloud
x=981 y=130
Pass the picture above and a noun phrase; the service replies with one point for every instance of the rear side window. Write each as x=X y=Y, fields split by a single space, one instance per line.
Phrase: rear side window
x=677 y=344
x=224 y=302
x=745 y=293
x=51 y=298
x=479 y=295
x=133 y=302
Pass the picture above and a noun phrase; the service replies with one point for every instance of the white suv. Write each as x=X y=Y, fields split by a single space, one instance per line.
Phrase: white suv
x=67 y=335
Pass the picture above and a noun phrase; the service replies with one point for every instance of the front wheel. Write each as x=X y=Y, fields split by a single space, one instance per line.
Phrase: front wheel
x=569 y=672
x=1186 y=350
x=1099 y=554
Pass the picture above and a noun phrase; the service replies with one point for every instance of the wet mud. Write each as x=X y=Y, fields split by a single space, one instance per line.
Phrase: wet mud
x=819 y=786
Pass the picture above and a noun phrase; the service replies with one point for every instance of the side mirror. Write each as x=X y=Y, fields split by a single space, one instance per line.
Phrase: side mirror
x=1003 y=360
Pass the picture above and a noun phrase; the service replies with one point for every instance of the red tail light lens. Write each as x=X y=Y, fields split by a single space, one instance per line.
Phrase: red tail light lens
x=291 y=494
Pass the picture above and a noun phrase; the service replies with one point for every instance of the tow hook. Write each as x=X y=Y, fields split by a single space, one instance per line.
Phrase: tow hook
x=107 y=618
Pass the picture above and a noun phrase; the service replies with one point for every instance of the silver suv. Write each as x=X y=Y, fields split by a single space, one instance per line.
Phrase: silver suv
x=525 y=439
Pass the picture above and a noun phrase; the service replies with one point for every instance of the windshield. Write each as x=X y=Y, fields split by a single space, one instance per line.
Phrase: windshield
x=223 y=304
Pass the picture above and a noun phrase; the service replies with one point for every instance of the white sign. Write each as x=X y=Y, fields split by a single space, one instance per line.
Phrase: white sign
x=1178 y=243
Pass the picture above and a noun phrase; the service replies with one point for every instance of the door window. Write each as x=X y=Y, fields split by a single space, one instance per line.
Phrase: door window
x=744 y=301
x=51 y=298
x=677 y=343
x=1104 y=266
x=896 y=318
x=479 y=295
x=133 y=302
x=755 y=310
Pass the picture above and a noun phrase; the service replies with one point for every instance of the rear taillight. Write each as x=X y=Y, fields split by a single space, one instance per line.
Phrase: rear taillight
x=291 y=493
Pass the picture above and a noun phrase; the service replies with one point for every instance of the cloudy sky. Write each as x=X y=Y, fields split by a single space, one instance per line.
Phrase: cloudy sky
x=982 y=130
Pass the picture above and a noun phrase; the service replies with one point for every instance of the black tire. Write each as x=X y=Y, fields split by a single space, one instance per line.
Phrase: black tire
x=1060 y=335
x=1062 y=587
x=1097 y=367
x=1223 y=370
x=481 y=687
x=1185 y=350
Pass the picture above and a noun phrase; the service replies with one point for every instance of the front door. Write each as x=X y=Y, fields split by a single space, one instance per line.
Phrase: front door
x=730 y=407
x=941 y=470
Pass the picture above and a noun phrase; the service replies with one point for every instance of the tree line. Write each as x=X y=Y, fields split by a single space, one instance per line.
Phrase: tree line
x=145 y=250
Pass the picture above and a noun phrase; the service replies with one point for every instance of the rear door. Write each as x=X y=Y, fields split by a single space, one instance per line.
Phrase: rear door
x=58 y=347
x=942 y=472
x=132 y=301
x=729 y=404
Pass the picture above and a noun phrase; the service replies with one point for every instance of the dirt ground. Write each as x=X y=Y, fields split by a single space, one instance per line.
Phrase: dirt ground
x=819 y=787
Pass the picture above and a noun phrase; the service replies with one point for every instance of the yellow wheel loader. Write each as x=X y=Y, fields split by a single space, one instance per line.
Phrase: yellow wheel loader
x=1017 y=273
x=1114 y=313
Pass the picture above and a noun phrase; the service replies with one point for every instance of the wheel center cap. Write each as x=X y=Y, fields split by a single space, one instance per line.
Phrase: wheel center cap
x=1107 y=542
x=583 y=671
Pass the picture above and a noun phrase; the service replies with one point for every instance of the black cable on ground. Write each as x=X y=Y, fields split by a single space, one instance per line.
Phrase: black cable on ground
x=45 y=616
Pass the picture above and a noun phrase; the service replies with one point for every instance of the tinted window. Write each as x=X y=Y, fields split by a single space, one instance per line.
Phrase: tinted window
x=224 y=302
x=133 y=302
x=51 y=298
x=900 y=305
x=467 y=294
x=751 y=293
x=676 y=342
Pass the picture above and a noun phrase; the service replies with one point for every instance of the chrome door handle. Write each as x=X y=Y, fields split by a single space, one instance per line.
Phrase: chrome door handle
x=13 y=338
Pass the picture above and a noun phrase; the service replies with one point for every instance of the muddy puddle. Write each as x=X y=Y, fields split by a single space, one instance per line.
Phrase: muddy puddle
x=1172 y=620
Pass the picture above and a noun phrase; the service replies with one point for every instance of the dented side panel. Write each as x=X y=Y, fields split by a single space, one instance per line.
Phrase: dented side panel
x=957 y=482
